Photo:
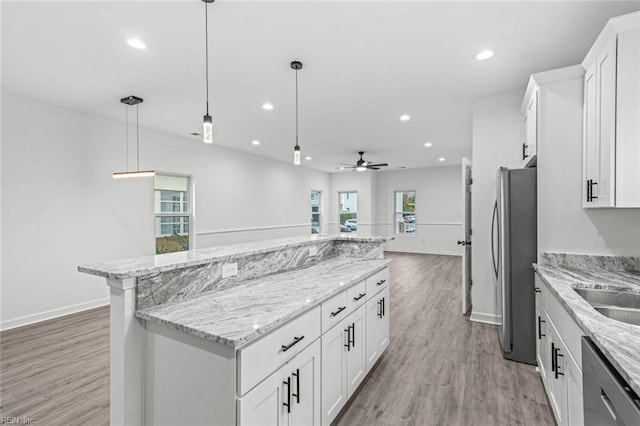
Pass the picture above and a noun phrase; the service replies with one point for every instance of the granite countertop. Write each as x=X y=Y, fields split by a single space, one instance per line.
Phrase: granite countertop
x=236 y=315
x=129 y=268
x=618 y=341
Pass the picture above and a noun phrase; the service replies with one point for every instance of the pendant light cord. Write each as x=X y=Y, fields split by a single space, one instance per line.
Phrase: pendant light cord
x=206 y=48
x=126 y=119
x=137 y=138
x=296 y=107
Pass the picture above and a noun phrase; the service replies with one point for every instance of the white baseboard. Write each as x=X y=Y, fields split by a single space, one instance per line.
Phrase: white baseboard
x=53 y=313
x=486 y=318
x=437 y=252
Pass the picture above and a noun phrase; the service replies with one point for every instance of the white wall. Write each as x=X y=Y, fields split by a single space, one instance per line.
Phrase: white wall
x=563 y=225
x=497 y=135
x=439 y=212
x=61 y=207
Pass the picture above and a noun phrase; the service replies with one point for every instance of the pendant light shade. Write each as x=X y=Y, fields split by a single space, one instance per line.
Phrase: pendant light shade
x=296 y=65
x=207 y=121
x=133 y=101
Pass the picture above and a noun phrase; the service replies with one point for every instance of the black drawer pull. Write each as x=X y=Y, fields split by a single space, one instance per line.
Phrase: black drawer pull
x=524 y=151
x=537 y=290
x=295 y=340
x=333 y=314
x=360 y=296
x=380 y=308
x=353 y=334
x=348 y=345
x=381 y=282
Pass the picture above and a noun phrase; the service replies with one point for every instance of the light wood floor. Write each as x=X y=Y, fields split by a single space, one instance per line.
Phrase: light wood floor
x=439 y=367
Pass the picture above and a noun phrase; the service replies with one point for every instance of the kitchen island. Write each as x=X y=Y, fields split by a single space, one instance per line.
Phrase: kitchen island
x=564 y=317
x=203 y=337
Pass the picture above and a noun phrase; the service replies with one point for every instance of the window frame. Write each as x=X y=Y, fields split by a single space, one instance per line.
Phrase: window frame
x=319 y=213
x=395 y=213
x=190 y=204
x=339 y=207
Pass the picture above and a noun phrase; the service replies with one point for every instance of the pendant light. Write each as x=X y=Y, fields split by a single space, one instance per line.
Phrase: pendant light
x=296 y=65
x=207 y=122
x=133 y=101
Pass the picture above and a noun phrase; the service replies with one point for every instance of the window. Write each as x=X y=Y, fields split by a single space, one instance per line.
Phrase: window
x=405 y=212
x=316 y=211
x=172 y=212
x=348 y=211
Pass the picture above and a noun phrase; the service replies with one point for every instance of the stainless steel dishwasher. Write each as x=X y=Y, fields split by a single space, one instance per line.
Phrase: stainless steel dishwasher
x=608 y=400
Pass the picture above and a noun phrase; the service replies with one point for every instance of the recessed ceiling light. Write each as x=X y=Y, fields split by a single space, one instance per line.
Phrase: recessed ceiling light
x=255 y=142
x=485 y=54
x=441 y=159
x=307 y=158
x=136 y=43
x=405 y=117
x=428 y=144
x=267 y=106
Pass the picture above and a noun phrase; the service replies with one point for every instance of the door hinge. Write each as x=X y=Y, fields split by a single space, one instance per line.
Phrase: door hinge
x=470 y=231
x=470 y=181
x=470 y=283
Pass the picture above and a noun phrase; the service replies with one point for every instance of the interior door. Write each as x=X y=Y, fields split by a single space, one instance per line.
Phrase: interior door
x=466 y=243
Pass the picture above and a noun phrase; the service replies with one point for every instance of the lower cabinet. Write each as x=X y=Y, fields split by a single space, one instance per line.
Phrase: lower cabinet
x=377 y=326
x=559 y=357
x=290 y=396
x=343 y=363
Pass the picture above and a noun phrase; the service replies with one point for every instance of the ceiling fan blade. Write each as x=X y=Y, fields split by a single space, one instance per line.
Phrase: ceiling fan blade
x=373 y=168
x=379 y=165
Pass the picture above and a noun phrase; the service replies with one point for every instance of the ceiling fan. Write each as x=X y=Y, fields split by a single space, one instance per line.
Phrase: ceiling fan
x=362 y=165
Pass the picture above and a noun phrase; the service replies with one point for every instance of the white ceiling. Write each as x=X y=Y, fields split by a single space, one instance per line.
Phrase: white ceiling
x=365 y=64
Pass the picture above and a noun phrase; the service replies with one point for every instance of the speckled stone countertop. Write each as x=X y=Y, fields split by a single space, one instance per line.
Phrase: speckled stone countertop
x=618 y=341
x=135 y=267
x=237 y=315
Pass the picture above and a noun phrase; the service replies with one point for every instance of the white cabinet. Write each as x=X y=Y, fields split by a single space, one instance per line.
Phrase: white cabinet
x=290 y=396
x=377 y=326
x=611 y=137
x=530 y=127
x=559 y=356
x=343 y=363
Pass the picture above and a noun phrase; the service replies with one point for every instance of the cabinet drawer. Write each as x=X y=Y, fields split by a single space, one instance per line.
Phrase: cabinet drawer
x=259 y=359
x=357 y=295
x=377 y=282
x=334 y=310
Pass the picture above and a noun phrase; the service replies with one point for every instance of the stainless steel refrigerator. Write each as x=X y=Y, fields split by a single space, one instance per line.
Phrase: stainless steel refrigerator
x=514 y=248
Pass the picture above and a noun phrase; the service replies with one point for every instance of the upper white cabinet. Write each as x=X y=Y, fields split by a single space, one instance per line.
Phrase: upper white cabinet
x=530 y=125
x=611 y=137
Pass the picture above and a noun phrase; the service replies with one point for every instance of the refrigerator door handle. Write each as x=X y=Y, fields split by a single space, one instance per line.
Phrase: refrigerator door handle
x=493 y=251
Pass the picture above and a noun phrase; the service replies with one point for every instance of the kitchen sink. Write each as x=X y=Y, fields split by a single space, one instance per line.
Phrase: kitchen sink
x=618 y=305
x=630 y=316
x=597 y=297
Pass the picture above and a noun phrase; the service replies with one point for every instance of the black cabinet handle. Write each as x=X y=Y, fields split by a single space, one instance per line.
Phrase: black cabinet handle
x=288 y=403
x=333 y=314
x=353 y=334
x=348 y=331
x=553 y=357
x=593 y=197
x=380 y=308
x=384 y=313
x=524 y=151
x=556 y=355
x=588 y=190
x=297 y=376
x=540 y=321
x=360 y=296
x=295 y=340
x=381 y=282
x=537 y=290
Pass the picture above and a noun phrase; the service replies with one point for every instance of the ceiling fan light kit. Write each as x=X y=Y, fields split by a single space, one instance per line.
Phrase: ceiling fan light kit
x=363 y=165
x=133 y=101
x=296 y=65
